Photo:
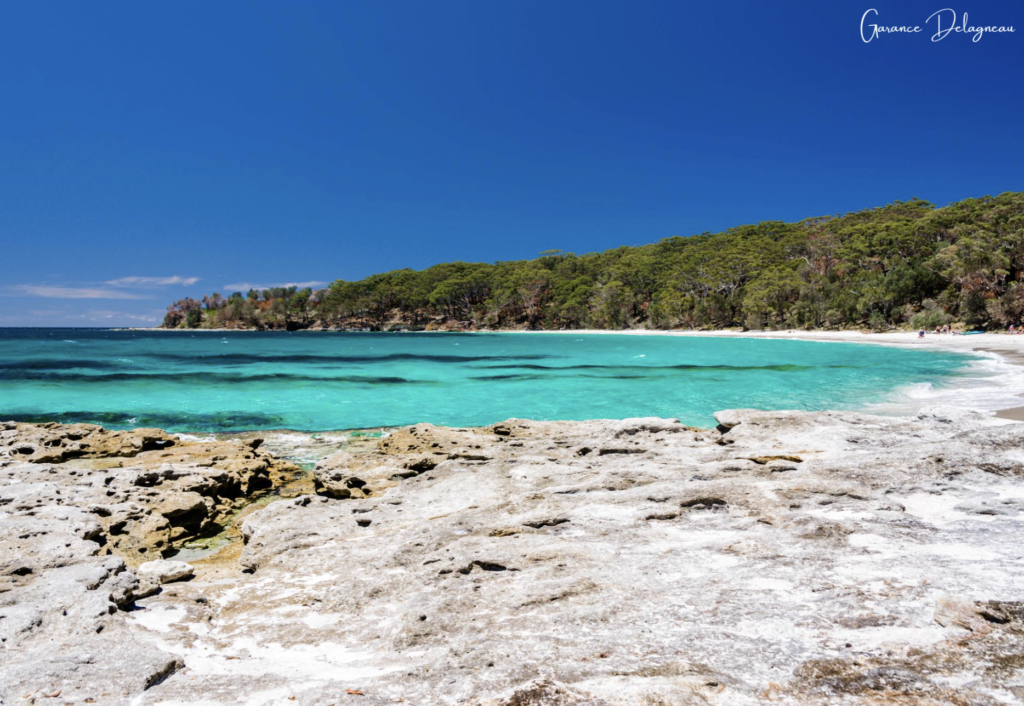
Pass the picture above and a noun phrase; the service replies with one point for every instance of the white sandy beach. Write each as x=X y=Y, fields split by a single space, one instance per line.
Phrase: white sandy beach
x=996 y=342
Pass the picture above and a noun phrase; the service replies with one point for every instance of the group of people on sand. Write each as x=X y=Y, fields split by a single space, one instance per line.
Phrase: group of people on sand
x=1011 y=329
x=942 y=329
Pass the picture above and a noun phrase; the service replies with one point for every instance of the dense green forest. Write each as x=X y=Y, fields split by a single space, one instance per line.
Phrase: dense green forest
x=906 y=264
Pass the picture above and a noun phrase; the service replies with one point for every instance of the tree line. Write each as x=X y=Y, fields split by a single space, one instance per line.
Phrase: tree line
x=904 y=264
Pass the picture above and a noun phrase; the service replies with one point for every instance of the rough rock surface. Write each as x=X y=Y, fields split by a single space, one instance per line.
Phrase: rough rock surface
x=144 y=500
x=785 y=557
x=164 y=571
x=70 y=530
x=53 y=443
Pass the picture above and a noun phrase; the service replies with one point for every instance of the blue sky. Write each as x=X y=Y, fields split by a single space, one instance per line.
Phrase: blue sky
x=150 y=151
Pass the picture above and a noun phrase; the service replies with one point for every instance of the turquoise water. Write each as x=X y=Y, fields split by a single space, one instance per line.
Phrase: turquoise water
x=320 y=381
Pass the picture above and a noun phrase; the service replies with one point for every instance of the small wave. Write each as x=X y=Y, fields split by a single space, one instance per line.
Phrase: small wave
x=171 y=420
x=989 y=383
x=196 y=437
x=640 y=356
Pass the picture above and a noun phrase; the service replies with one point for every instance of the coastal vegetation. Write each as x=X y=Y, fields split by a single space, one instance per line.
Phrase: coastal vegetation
x=905 y=264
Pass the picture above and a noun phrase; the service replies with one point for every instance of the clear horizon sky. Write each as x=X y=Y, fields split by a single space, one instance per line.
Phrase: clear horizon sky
x=150 y=151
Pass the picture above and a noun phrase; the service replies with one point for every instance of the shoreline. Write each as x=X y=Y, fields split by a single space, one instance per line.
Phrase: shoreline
x=1004 y=347
x=1005 y=341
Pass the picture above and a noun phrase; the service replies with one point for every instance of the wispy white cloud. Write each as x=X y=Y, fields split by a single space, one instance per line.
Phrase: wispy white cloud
x=74 y=318
x=105 y=315
x=152 y=281
x=246 y=286
x=55 y=292
x=111 y=289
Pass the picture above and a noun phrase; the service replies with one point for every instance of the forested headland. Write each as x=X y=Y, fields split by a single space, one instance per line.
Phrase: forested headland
x=905 y=264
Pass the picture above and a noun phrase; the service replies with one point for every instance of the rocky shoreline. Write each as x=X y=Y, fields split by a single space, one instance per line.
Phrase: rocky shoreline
x=784 y=557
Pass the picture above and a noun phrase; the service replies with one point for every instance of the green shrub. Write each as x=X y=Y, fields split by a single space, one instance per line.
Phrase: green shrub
x=929 y=319
x=193 y=318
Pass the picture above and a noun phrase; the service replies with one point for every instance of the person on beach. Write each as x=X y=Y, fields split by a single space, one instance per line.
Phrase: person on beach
x=1011 y=329
x=920 y=334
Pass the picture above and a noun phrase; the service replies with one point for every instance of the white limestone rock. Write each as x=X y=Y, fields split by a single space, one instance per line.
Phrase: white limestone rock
x=163 y=571
x=786 y=558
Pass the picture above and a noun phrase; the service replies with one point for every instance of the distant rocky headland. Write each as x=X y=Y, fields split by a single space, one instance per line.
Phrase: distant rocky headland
x=905 y=264
x=782 y=557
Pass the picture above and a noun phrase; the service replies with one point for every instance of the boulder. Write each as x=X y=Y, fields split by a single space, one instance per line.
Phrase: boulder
x=163 y=571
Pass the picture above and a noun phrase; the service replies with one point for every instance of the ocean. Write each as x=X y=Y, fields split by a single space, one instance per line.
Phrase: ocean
x=317 y=381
